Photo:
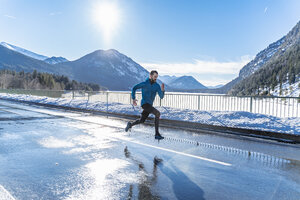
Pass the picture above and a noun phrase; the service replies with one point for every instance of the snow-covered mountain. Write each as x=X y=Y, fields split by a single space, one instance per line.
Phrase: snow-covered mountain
x=261 y=58
x=109 y=68
x=24 y=51
x=13 y=60
x=166 y=78
x=186 y=83
x=279 y=66
x=54 y=60
x=273 y=51
x=182 y=83
x=214 y=87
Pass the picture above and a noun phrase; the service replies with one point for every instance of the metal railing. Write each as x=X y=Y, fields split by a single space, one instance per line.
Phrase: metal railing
x=46 y=93
x=275 y=106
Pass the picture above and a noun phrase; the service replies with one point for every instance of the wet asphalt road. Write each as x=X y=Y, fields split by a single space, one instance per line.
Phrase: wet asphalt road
x=55 y=154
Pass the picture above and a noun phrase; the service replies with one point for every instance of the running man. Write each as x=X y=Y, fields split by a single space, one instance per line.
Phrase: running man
x=149 y=90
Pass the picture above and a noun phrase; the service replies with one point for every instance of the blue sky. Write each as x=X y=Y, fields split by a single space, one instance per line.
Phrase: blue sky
x=210 y=40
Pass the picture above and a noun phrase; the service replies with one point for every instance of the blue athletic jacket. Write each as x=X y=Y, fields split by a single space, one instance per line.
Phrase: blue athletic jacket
x=148 y=91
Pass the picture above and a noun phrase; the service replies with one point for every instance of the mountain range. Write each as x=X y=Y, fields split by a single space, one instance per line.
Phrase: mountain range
x=52 y=60
x=182 y=82
x=275 y=66
x=23 y=51
x=259 y=61
x=116 y=71
x=280 y=55
x=109 y=68
x=13 y=60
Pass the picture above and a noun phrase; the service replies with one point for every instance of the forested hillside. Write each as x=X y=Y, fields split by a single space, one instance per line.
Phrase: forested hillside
x=10 y=79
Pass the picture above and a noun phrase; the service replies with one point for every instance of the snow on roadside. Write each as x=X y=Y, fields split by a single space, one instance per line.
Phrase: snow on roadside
x=237 y=119
x=288 y=90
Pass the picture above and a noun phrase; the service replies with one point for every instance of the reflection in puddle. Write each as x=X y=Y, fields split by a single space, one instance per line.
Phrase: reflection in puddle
x=146 y=183
x=52 y=142
x=103 y=179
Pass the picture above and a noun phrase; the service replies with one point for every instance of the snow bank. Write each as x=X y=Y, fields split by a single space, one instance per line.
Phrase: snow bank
x=237 y=119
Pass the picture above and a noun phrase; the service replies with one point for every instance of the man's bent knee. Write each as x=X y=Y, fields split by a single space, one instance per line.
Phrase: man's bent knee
x=157 y=114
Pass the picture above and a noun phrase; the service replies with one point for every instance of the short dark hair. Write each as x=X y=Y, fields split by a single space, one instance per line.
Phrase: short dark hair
x=153 y=72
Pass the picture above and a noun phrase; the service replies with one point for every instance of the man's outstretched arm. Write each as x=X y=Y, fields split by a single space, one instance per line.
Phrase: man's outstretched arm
x=161 y=91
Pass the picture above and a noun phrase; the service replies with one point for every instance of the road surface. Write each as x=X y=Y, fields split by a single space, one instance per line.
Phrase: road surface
x=55 y=154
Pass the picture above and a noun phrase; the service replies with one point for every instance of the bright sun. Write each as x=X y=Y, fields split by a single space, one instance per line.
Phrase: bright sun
x=106 y=16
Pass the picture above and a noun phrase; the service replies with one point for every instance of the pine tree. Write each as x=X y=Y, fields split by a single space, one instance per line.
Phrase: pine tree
x=292 y=75
x=34 y=74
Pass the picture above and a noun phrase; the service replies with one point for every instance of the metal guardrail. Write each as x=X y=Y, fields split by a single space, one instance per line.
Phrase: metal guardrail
x=47 y=93
x=275 y=106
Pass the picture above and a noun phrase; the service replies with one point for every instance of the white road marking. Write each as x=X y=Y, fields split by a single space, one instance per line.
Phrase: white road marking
x=4 y=194
x=181 y=153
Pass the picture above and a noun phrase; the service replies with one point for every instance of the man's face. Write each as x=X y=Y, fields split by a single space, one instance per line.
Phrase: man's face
x=153 y=77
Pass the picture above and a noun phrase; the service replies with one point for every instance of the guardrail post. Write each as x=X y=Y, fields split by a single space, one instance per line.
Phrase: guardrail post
x=87 y=102
x=107 y=103
x=251 y=104
x=198 y=102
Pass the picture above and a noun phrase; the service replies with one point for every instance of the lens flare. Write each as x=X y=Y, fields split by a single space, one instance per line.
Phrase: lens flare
x=106 y=16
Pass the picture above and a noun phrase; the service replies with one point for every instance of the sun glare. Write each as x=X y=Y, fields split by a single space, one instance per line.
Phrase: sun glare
x=106 y=17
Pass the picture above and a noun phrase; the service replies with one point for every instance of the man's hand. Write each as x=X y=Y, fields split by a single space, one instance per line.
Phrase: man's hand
x=134 y=102
x=162 y=87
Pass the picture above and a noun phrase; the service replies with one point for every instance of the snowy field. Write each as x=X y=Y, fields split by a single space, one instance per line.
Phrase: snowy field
x=237 y=119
